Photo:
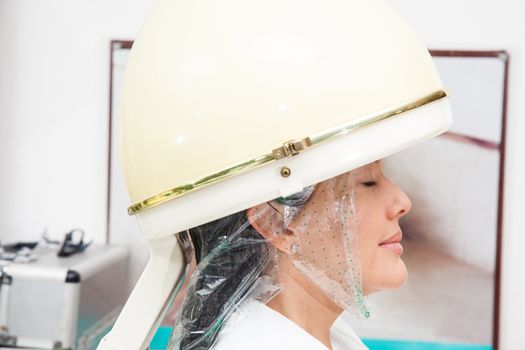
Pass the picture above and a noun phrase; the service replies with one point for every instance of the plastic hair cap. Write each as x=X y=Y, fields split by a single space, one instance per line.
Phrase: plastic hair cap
x=227 y=104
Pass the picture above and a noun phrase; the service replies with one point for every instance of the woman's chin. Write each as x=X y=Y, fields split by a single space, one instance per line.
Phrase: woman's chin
x=400 y=277
x=389 y=277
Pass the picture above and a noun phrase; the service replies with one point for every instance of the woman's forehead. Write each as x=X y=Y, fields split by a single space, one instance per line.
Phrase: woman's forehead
x=347 y=179
x=368 y=170
x=373 y=167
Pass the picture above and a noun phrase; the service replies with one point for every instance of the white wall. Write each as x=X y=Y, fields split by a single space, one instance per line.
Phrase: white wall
x=54 y=79
x=54 y=59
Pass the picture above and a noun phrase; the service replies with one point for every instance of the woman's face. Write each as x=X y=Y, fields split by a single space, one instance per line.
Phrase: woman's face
x=348 y=233
x=379 y=206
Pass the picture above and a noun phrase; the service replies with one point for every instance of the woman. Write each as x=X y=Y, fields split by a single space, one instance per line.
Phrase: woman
x=280 y=274
x=228 y=104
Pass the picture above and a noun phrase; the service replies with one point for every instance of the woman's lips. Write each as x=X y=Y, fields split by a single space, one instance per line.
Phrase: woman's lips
x=393 y=243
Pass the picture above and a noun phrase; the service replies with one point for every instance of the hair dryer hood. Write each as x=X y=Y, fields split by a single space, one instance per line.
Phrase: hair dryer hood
x=215 y=90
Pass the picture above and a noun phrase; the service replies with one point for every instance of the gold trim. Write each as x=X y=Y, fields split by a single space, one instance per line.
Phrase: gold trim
x=288 y=149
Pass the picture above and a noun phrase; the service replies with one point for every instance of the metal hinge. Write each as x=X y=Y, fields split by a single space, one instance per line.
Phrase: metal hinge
x=291 y=148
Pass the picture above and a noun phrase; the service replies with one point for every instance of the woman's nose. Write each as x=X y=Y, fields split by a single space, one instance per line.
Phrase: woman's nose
x=401 y=204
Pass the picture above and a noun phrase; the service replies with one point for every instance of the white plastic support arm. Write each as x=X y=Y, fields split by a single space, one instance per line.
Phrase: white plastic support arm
x=142 y=313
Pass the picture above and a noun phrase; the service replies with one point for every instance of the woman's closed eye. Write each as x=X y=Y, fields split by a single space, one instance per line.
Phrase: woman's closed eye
x=369 y=183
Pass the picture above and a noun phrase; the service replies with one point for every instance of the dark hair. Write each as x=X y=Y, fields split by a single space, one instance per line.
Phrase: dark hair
x=230 y=255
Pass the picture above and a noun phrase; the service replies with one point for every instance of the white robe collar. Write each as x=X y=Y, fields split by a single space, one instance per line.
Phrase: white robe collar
x=256 y=326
